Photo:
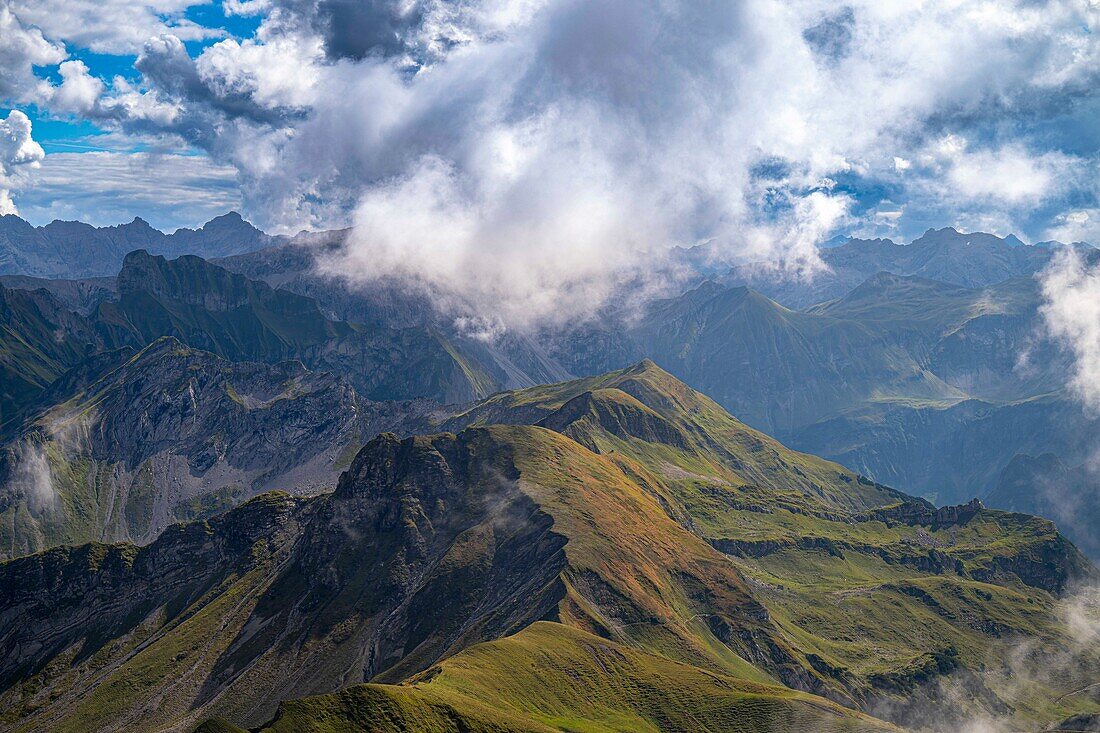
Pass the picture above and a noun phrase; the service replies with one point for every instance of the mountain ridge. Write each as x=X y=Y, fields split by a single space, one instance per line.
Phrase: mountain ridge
x=75 y=250
x=433 y=544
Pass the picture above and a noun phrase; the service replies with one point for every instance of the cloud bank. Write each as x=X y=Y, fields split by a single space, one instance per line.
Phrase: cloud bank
x=1071 y=313
x=537 y=156
x=18 y=153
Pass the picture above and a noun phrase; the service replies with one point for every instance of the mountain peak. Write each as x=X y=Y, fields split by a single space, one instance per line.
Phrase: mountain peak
x=12 y=223
x=229 y=221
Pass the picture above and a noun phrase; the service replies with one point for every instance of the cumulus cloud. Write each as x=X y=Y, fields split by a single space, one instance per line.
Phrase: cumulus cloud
x=1076 y=225
x=562 y=146
x=21 y=49
x=1071 y=313
x=18 y=152
x=110 y=26
x=678 y=121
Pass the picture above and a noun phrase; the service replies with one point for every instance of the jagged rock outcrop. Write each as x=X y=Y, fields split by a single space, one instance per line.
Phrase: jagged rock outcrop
x=913 y=513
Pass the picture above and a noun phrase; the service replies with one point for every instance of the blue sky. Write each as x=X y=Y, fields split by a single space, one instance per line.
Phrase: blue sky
x=616 y=125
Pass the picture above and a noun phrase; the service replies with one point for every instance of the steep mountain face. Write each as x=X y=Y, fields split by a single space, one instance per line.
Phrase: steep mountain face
x=173 y=433
x=210 y=308
x=896 y=371
x=71 y=249
x=39 y=340
x=1045 y=485
x=637 y=536
x=79 y=296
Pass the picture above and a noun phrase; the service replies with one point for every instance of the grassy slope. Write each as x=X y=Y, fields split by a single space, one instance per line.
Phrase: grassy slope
x=716 y=445
x=549 y=677
x=845 y=591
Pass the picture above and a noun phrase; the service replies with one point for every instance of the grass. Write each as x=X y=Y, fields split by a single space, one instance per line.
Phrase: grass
x=549 y=677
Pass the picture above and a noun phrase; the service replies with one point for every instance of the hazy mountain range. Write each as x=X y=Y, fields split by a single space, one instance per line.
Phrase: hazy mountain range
x=309 y=484
x=73 y=249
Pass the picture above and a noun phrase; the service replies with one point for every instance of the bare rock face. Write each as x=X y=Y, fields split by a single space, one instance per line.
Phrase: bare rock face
x=174 y=433
x=427 y=546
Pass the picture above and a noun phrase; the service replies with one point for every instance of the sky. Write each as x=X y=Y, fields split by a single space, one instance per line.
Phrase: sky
x=538 y=144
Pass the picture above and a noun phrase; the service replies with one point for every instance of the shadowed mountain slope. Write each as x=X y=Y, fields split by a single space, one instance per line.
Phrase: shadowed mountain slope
x=39 y=340
x=173 y=433
x=209 y=308
x=636 y=511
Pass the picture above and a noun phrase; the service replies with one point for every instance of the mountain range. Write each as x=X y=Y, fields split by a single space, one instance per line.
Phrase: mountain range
x=621 y=529
x=75 y=250
x=897 y=354
x=968 y=259
x=239 y=493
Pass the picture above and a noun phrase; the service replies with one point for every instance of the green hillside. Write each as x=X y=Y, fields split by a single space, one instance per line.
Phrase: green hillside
x=550 y=677
x=477 y=580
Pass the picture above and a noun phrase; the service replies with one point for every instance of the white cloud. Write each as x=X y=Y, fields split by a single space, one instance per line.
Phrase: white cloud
x=32 y=477
x=1008 y=175
x=78 y=92
x=280 y=73
x=1071 y=313
x=21 y=49
x=18 y=152
x=543 y=129
x=110 y=26
x=1078 y=225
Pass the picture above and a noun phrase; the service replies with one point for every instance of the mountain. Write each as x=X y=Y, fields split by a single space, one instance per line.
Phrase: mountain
x=775 y=367
x=885 y=370
x=173 y=433
x=39 y=340
x=1045 y=485
x=222 y=236
x=74 y=250
x=634 y=557
x=79 y=296
x=210 y=308
x=899 y=369
x=970 y=260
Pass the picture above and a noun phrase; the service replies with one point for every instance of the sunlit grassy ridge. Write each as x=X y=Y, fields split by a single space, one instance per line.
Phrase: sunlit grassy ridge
x=550 y=677
x=678 y=432
x=868 y=597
